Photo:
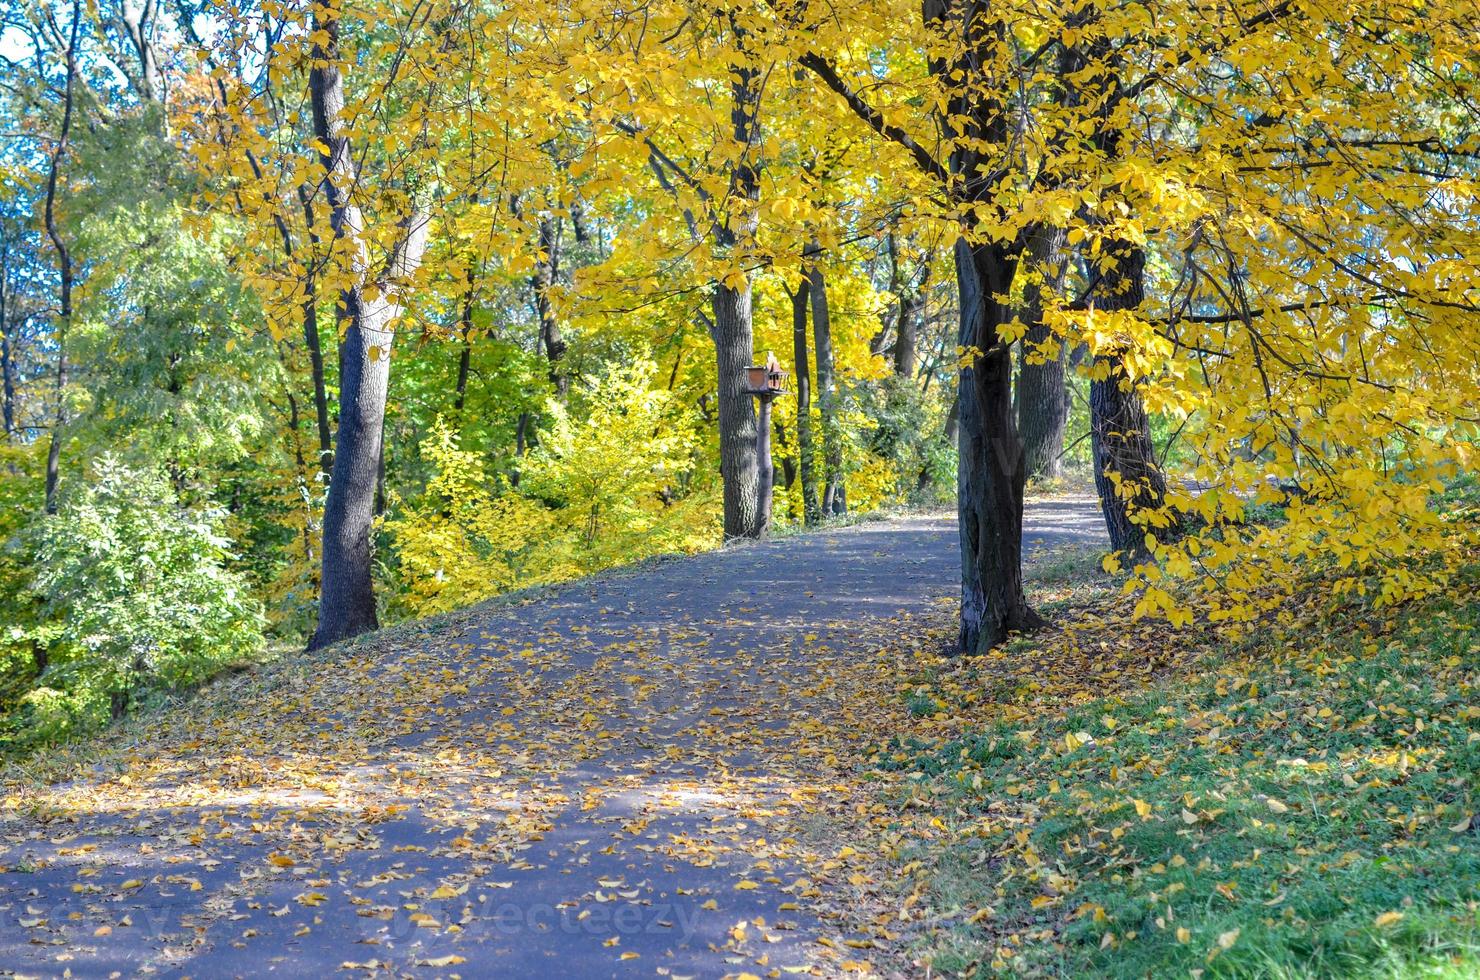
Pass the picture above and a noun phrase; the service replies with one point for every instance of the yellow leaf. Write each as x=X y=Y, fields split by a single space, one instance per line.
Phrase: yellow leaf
x=1227 y=939
x=1183 y=935
x=1387 y=919
x=281 y=860
x=450 y=959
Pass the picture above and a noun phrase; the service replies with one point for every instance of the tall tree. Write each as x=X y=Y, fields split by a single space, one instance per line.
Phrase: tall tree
x=806 y=463
x=969 y=45
x=834 y=492
x=369 y=305
x=65 y=268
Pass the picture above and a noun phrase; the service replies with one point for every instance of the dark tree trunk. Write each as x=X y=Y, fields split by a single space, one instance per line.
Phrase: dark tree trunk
x=911 y=301
x=347 y=597
x=311 y=340
x=811 y=511
x=765 y=469
x=7 y=348
x=788 y=469
x=64 y=267
x=833 y=493
x=1042 y=411
x=465 y=349
x=1127 y=476
x=990 y=475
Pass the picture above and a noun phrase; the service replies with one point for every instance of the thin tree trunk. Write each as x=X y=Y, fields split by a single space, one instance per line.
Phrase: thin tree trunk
x=347 y=597
x=765 y=468
x=811 y=510
x=7 y=350
x=1042 y=411
x=1127 y=476
x=465 y=351
x=311 y=341
x=911 y=310
x=545 y=276
x=64 y=267
x=833 y=493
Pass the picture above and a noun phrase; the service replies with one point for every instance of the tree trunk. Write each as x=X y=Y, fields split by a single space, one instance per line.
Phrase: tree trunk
x=544 y=278
x=990 y=475
x=733 y=325
x=1127 y=476
x=64 y=267
x=765 y=469
x=1042 y=411
x=7 y=349
x=311 y=341
x=347 y=597
x=738 y=465
x=833 y=499
x=911 y=310
x=811 y=511
x=465 y=349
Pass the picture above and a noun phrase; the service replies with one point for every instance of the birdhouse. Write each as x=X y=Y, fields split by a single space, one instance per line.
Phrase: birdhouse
x=765 y=379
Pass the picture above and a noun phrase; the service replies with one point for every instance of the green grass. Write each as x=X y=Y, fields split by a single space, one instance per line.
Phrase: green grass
x=1297 y=803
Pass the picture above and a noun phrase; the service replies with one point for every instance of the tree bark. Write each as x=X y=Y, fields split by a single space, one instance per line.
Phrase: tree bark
x=1127 y=476
x=733 y=324
x=911 y=301
x=347 y=597
x=765 y=468
x=546 y=272
x=310 y=314
x=834 y=499
x=1042 y=410
x=811 y=510
x=465 y=349
x=64 y=267
x=990 y=476
x=739 y=467
x=7 y=348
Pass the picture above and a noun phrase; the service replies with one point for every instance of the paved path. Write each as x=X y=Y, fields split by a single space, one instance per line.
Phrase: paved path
x=628 y=776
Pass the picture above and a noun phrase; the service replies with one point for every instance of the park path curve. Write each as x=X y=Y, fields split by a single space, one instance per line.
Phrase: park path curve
x=631 y=775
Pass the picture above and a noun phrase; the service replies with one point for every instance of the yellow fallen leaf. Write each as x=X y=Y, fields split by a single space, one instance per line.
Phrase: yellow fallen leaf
x=131 y=883
x=1183 y=934
x=281 y=860
x=745 y=886
x=449 y=960
x=1227 y=939
x=1143 y=809
x=629 y=955
x=1387 y=919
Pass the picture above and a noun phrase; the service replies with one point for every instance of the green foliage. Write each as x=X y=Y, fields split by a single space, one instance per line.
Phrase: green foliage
x=1301 y=804
x=135 y=597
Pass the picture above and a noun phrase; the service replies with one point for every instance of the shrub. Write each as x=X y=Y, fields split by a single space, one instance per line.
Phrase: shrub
x=136 y=595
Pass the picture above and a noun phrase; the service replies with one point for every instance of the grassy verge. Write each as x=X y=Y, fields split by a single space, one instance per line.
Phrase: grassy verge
x=1126 y=800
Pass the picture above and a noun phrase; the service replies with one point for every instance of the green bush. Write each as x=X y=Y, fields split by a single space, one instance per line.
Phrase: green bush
x=136 y=597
